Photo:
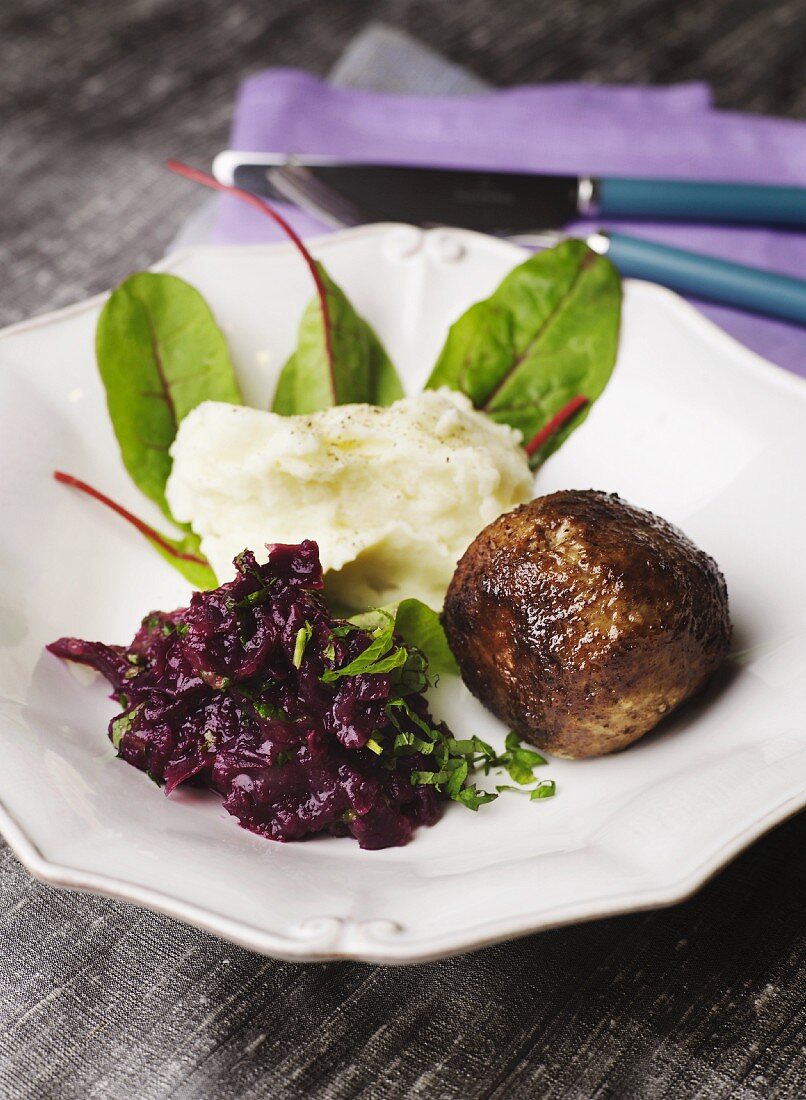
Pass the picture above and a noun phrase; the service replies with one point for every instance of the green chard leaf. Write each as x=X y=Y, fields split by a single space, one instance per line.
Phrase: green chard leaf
x=198 y=573
x=160 y=354
x=361 y=370
x=418 y=625
x=547 y=334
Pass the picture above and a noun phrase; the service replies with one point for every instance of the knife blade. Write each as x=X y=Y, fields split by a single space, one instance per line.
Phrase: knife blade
x=499 y=203
x=510 y=203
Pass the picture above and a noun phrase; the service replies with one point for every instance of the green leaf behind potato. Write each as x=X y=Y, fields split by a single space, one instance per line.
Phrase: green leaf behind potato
x=160 y=353
x=361 y=369
x=548 y=333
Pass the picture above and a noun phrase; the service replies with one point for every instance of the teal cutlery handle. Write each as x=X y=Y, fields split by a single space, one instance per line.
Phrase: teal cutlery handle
x=685 y=200
x=706 y=277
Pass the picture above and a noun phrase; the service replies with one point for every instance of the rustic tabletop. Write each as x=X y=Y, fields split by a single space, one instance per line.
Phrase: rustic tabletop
x=105 y=1000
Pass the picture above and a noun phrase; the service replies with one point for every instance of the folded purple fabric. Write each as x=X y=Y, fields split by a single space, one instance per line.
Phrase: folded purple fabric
x=673 y=132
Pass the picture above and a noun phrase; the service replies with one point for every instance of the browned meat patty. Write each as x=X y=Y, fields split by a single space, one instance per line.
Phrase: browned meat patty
x=581 y=621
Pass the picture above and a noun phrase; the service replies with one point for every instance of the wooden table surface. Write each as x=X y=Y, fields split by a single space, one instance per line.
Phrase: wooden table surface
x=105 y=1000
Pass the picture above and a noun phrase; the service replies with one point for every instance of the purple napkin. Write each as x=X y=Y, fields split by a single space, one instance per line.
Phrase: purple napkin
x=573 y=128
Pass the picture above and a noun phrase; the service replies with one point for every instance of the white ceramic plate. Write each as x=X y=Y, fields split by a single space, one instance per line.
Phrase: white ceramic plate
x=692 y=426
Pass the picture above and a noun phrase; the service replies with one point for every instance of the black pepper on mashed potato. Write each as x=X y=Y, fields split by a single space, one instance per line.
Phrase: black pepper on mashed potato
x=393 y=496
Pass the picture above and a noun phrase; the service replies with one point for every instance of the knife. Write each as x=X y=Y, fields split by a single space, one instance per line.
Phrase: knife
x=506 y=203
x=525 y=208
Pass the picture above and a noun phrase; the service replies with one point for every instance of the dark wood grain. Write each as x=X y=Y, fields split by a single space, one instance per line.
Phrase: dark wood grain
x=102 y=999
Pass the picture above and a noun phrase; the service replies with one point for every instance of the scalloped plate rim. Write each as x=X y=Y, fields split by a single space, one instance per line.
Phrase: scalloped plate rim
x=276 y=945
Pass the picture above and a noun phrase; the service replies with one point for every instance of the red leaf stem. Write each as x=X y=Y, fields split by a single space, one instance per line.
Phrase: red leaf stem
x=142 y=527
x=557 y=421
x=260 y=204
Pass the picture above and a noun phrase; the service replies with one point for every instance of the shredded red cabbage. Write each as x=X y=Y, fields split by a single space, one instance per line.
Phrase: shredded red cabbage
x=242 y=692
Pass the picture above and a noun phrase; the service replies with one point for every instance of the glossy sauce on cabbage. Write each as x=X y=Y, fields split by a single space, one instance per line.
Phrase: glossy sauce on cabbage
x=232 y=693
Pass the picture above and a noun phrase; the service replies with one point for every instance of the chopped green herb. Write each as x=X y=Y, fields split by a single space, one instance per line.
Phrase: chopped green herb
x=121 y=725
x=249 y=570
x=283 y=757
x=374 y=746
x=303 y=637
x=398 y=658
x=473 y=746
x=376 y=658
x=546 y=788
x=394 y=705
x=174 y=628
x=518 y=761
x=513 y=744
x=518 y=771
x=419 y=627
x=429 y=779
x=456 y=779
x=270 y=710
x=341 y=630
x=373 y=620
x=472 y=797
x=456 y=758
x=260 y=595
x=412 y=676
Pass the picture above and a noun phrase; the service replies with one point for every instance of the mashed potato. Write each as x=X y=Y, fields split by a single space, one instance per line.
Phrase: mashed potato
x=393 y=496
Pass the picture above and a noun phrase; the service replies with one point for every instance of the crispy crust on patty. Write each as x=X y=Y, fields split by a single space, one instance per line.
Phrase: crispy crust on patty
x=581 y=621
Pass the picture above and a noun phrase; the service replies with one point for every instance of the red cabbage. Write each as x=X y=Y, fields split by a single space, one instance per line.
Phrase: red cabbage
x=229 y=694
